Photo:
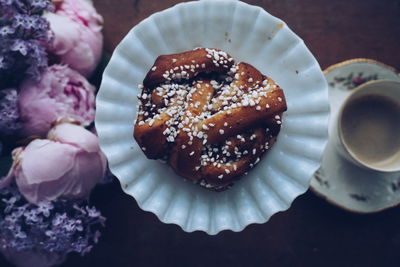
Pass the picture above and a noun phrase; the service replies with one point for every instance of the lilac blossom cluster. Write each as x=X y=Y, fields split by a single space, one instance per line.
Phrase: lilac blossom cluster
x=23 y=34
x=9 y=112
x=57 y=227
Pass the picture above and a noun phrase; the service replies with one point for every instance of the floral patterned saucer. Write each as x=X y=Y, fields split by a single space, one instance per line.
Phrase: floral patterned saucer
x=339 y=181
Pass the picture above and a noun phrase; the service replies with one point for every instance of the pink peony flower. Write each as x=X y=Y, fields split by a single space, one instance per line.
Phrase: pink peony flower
x=78 y=40
x=60 y=93
x=68 y=164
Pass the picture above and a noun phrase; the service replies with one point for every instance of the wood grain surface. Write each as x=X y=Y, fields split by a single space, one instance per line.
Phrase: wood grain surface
x=311 y=232
x=333 y=30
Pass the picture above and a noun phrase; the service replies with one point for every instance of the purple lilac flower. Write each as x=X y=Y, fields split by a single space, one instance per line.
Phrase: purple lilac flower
x=23 y=33
x=9 y=113
x=57 y=227
x=45 y=207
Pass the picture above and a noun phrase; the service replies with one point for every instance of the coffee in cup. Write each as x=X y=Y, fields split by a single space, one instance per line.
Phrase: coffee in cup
x=369 y=126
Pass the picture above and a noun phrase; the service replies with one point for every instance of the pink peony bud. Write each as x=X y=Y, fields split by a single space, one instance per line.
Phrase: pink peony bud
x=60 y=93
x=68 y=164
x=78 y=40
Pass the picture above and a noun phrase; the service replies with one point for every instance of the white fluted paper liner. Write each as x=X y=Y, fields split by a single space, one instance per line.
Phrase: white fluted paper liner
x=249 y=34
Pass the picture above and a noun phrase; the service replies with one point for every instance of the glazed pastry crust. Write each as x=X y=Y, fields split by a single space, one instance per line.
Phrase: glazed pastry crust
x=210 y=118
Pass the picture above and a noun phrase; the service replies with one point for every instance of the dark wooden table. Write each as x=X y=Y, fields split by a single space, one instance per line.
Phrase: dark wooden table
x=311 y=232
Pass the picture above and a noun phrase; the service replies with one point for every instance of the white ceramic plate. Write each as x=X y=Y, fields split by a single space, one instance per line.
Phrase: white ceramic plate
x=338 y=181
x=251 y=35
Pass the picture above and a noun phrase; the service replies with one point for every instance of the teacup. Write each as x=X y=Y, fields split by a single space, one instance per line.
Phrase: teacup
x=368 y=126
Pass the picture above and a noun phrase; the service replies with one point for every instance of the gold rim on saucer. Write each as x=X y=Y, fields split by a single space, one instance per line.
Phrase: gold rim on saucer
x=357 y=60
